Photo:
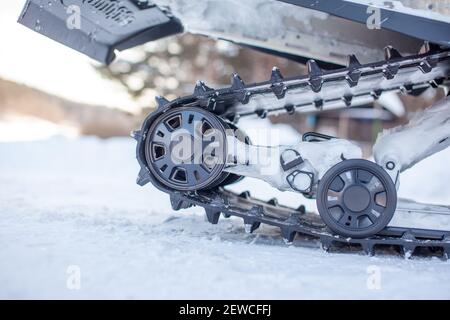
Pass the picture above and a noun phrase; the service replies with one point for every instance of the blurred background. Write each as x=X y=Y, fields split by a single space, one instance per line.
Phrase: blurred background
x=47 y=89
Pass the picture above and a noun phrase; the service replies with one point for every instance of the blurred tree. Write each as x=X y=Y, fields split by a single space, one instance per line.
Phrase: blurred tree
x=171 y=67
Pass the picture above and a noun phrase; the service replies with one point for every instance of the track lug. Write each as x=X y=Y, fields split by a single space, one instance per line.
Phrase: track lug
x=212 y=215
x=408 y=251
x=315 y=75
x=236 y=82
x=276 y=75
x=353 y=78
x=288 y=235
x=447 y=253
x=326 y=243
x=279 y=90
x=273 y=202
x=250 y=227
x=143 y=177
x=390 y=71
x=136 y=135
x=436 y=82
x=347 y=100
x=313 y=68
x=161 y=101
x=353 y=74
x=245 y=194
x=368 y=248
x=178 y=203
x=201 y=88
x=353 y=62
x=429 y=47
x=391 y=53
x=427 y=65
x=407 y=88
x=446 y=248
x=301 y=209
x=409 y=247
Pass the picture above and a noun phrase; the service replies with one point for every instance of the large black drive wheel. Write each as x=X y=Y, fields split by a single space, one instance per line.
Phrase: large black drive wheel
x=356 y=198
x=186 y=149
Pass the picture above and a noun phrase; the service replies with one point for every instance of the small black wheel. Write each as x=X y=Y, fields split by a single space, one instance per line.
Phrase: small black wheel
x=356 y=198
x=186 y=149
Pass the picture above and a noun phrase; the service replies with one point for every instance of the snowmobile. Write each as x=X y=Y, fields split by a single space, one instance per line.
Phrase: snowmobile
x=192 y=147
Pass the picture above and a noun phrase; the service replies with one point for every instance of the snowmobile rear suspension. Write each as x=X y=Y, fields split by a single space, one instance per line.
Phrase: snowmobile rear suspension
x=190 y=149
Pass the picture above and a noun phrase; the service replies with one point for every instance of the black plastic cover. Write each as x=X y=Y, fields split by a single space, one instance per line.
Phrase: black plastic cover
x=104 y=25
x=421 y=27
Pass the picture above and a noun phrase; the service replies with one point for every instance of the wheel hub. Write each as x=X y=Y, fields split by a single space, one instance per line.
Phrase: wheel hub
x=356 y=198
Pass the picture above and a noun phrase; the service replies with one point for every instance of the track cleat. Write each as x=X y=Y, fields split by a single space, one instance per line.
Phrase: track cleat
x=315 y=75
x=276 y=75
x=391 y=53
x=201 y=88
x=161 y=101
x=368 y=248
x=250 y=227
x=212 y=216
x=236 y=82
x=288 y=235
x=325 y=243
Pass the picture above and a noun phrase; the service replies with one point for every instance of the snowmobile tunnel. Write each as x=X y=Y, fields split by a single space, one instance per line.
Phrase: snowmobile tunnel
x=98 y=28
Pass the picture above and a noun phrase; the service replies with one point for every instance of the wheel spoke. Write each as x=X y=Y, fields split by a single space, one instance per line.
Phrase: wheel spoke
x=378 y=208
x=372 y=216
x=334 y=203
x=337 y=185
x=354 y=222
x=364 y=176
x=348 y=177
x=375 y=186
x=334 y=199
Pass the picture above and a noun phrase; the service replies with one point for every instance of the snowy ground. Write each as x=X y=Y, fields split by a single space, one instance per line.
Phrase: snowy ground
x=73 y=202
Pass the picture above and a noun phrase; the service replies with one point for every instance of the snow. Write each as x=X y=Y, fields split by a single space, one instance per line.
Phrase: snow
x=72 y=204
x=29 y=128
x=431 y=127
